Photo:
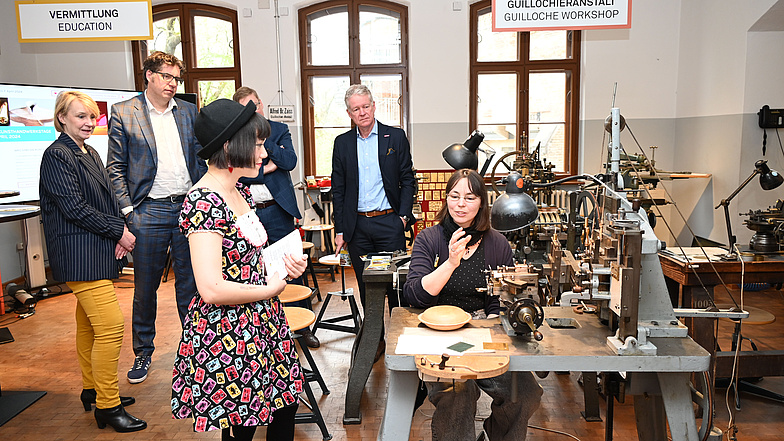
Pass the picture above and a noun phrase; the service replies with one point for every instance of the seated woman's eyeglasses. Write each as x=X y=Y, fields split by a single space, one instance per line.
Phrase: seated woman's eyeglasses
x=168 y=77
x=469 y=198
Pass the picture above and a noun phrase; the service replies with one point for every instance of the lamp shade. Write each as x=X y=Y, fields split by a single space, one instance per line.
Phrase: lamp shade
x=769 y=179
x=514 y=209
x=460 y=156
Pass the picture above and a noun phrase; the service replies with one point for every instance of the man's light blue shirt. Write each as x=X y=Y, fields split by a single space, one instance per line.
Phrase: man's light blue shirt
x=371 y=186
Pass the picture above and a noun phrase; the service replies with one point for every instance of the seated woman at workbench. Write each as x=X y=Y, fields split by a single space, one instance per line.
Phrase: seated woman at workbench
x=447 y=265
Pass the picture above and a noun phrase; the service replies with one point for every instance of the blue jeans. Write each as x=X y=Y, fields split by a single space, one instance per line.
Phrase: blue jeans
x=453 y=419
x=155 y=225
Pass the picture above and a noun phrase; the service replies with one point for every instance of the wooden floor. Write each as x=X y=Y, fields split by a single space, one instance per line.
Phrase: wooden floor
x=42 y=357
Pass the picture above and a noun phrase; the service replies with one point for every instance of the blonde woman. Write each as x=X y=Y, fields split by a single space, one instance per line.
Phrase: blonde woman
x=87 y=242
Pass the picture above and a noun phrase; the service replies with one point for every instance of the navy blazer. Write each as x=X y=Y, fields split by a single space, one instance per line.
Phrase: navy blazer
x=82 y=221
x=394 y=160
x=132 y=160
x=281 y=152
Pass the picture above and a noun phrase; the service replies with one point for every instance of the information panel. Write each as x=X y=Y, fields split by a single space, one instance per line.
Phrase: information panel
x=83 y=20
x=541 y=15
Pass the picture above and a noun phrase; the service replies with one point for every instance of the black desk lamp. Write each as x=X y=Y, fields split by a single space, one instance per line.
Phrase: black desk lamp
x=460 y=156
x=514 y=209
x=769 y=179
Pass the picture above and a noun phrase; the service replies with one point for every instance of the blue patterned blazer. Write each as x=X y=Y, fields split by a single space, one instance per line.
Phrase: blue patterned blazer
x=132 y=160
x=82 y=221
x=281 y=153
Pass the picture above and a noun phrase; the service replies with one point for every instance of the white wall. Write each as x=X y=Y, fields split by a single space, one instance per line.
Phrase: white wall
x=690 y=77
x=724 y=77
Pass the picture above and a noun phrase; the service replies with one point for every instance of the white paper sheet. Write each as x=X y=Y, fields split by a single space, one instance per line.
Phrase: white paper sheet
x=291 y=244
x=418 y=341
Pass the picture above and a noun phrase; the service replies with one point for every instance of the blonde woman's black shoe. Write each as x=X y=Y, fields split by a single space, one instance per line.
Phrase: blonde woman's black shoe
x=119 y=419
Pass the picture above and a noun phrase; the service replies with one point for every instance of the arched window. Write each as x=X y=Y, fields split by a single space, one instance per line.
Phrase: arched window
x=203 y=37
x=526 y=86
x=347 y=42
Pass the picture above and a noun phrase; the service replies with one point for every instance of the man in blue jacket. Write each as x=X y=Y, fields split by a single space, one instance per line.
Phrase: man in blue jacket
x=152 y=163
x=272 y=190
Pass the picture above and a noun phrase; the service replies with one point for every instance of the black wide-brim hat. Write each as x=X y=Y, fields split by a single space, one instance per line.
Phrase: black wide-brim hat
x=218 y=121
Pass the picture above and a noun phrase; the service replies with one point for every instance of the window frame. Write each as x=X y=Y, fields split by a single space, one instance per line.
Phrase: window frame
x=523 y=67
x=353 y=70
x=192 y=74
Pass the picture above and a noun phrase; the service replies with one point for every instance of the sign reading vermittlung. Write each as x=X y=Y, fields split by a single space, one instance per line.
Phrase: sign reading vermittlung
x=541 y=15
x=83 y=20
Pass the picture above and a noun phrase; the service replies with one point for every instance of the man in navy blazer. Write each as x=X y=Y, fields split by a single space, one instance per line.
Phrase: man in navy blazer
x=152 y=163
x=272 y=189
x=372 y=185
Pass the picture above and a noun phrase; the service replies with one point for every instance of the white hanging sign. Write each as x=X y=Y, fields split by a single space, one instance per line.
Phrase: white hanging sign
x=541 y=15
x=83 y=20
x=281 y=113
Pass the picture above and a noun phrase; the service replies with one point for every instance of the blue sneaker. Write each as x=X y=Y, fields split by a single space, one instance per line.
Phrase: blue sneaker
x=138 y=372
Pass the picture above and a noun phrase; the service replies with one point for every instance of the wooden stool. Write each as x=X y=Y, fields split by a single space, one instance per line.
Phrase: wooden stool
x=294 y=293
x=299 y=318
x=757 y=316
x=326 y=241
x=345 y=294
x=306 y=247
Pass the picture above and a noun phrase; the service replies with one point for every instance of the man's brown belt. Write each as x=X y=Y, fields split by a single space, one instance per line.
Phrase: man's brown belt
x=376 y=213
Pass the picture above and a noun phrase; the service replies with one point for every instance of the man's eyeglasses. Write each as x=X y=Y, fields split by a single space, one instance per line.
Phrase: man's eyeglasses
x=469 y=198
x=168 y=77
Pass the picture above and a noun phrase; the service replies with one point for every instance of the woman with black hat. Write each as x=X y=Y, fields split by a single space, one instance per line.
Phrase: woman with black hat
x=236 y=367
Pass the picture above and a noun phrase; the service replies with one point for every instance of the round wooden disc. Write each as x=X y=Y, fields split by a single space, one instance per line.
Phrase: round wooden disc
x=321 y=227
x=307 y=245
x=757 y=316
x=329 y=259
x=462 y=367
x=294 y=293
x=298 y=318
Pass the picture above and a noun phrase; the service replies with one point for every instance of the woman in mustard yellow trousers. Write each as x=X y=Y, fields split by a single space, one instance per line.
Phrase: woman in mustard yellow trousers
x=87 y=241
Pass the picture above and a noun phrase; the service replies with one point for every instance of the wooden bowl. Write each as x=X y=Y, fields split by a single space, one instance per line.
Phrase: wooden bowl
x=444 y=317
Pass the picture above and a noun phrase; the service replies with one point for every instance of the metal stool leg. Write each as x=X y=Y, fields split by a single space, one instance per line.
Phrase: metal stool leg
x=312 y=372
x=330 y=323
x=309 y=375
x=312 y=272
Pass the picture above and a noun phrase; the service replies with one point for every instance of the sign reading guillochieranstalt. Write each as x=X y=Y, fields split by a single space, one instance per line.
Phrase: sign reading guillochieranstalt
x=83 y=20
x=540 y=15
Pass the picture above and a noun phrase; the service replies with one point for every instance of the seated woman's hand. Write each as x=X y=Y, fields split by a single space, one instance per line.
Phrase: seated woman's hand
x=295 y=265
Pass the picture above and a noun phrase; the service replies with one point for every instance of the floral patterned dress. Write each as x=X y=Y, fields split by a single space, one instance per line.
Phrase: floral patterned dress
x=235 y=364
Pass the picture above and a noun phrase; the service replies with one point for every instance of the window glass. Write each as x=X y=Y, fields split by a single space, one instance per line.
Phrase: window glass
x=214 y=42
x=345 y=42
x=167 y=37
x=501 y=138
x=210 y=91
x=379 y=35
x=329 y=116
x=548 y=45
x=386 y=93
x=547 y=96
x=328 y=37
x=551 y=142
x=494 y=46
x=527 y=86
x=497 y=98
